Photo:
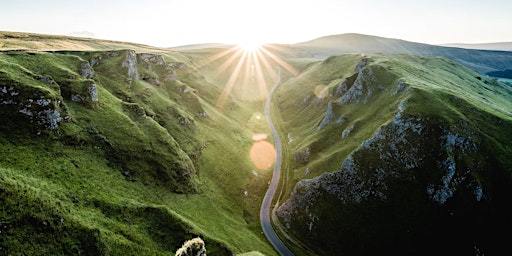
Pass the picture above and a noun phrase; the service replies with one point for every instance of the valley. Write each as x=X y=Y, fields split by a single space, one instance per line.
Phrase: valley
x=388 y=146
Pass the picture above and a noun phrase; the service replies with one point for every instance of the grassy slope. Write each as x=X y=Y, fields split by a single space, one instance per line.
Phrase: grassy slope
x=451 y=80
x=88 y=197
x=85 y=181
x=439 y=89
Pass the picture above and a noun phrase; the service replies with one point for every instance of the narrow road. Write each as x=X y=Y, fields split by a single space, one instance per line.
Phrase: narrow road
x=266 y=223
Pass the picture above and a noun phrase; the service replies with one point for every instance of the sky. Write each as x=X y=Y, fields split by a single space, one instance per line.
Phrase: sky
x=167 y=23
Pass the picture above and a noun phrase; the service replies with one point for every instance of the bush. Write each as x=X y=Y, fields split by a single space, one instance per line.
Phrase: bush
x=193 y=247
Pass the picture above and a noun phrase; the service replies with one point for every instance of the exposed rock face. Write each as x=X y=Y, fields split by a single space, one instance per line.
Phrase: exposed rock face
x=86 y=92
x=359 y=91
x=347 y=131
x=151 y=80
x=417 y=149
x=93 y=92
x=171 y=70
x=302 y=157
x=345 y=85
x=429 y=159
x=85 y=70
x=154 y=62
x=41 y=110
x=97 y=59
x=31 y=104
x=130 y=62
x=45 y=79
x=329 y=116
x=363 y=62
x=153 y=59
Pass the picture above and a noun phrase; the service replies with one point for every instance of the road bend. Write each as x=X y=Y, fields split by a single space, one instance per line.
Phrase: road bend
x=265 y=219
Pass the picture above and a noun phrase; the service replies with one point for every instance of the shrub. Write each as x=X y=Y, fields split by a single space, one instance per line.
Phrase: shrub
x=193 y=247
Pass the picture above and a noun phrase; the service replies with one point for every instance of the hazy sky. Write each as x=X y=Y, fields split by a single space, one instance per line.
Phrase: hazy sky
x=181 y=22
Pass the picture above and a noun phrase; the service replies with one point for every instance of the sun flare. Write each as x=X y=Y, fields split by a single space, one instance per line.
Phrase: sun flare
x=250 y=46
x=247 y=70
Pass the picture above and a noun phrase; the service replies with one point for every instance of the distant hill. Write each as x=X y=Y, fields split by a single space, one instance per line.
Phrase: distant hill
x=483 y=61
x=40 y=42
x=201 y=46
x=86 y=34
x=501 y=46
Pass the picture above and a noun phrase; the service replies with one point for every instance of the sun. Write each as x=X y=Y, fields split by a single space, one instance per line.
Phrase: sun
x=250 y=46
x=247 y=69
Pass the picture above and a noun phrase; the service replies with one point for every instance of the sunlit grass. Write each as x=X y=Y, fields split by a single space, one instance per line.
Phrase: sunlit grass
x=111 y=199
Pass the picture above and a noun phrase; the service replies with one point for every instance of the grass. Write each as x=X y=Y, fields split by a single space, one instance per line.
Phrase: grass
x=444 y=95
x=151 y=165
x=297 y=98
x=42 y=42
x=140 y=171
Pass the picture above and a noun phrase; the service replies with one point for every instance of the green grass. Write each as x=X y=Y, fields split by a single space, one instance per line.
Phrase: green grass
x=148 y=166
x=429 y=95
x=140 y=171
x=444 y=95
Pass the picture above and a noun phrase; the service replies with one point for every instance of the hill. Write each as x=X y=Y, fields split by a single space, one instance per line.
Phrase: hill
x=114 y=148
x=396 y=154
x=501 y=46
x=40 y=42
x=201 y=46
x=482 y=61
x=121 y=152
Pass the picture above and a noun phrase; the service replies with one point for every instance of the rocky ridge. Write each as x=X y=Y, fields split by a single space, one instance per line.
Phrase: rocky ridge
x=397 y=188
x=42 y=100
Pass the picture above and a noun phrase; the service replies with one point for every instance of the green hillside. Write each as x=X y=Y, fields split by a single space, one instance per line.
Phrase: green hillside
x=122 y=152
x=396 y=154
x=114 y=148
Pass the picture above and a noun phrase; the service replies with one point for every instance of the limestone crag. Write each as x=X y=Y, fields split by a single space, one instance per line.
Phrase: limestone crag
x=85 y=70
x=425 y=156
x=42 y=111
x=130 y=62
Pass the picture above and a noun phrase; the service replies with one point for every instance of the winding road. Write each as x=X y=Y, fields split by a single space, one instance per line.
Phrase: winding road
x=265 y=219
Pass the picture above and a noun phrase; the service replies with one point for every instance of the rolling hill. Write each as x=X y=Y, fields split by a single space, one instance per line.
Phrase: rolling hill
x=482 y=61
x=502 y=46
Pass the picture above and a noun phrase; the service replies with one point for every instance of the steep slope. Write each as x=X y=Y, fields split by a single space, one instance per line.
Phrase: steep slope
x=482 y=61
x=396 y=154
x=117 y=153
